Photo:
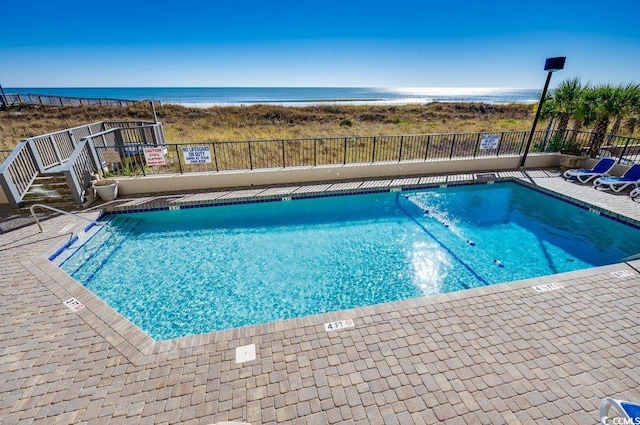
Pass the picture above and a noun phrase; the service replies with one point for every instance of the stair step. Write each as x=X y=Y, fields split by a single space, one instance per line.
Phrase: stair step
x=52 y=183
x=48 y=193
x=49 y=178
x=26 y=208
x=49 y=190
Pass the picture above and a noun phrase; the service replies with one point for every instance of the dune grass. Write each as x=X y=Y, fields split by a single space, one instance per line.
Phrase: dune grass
x=266 y=122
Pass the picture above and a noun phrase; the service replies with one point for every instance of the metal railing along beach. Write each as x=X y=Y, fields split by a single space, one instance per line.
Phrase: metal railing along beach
x=139 y=148
x=288 y=153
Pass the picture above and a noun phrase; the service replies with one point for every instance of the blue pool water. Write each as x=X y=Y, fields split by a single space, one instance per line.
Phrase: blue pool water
x=177 y=273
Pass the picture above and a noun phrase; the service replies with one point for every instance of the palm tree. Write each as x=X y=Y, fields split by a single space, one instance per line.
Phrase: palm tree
x=632 y=123
x=584 y=115
x=547 y=112
x=565 y=101
x=605 y=104
x=629 y=99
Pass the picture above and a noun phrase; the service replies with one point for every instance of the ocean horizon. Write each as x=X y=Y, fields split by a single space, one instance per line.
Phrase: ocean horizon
x=291 y=96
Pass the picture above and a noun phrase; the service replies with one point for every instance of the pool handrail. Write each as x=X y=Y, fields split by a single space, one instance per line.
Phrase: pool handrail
x=97 y=223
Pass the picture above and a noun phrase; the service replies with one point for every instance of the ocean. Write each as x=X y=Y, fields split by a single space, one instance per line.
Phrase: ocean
x=292 y=96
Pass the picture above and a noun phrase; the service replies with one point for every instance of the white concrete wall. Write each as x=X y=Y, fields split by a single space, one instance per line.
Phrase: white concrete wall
x=195 y=181
x=212 y=180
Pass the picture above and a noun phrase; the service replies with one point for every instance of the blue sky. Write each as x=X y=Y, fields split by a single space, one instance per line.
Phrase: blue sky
x=328 y=43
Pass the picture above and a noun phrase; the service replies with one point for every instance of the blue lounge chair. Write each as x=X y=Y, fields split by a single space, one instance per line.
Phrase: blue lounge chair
x=626 y=410
x=584 y=175
x=630 y=178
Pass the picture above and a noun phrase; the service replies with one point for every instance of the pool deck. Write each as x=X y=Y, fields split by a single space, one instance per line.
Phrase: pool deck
x=502 y=354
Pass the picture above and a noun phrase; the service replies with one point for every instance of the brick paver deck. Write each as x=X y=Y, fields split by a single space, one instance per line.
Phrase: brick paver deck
x=503 y=354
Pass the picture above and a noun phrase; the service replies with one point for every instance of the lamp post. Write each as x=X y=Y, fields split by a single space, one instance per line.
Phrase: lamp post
x=551 y=65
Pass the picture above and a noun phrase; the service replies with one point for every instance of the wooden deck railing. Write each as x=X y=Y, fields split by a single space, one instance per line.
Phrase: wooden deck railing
x=8 y=100
x=61 y=152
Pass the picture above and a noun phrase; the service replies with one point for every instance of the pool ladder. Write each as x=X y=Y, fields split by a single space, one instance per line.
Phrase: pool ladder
x=35 y=217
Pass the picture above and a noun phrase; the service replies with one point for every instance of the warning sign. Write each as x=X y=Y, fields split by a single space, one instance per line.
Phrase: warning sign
x=154 y=156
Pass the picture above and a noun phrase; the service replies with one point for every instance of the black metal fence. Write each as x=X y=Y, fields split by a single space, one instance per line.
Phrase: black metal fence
x=273 y=154
x=249 y=155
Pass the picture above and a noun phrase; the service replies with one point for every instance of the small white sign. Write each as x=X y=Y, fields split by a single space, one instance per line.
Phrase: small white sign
x=340 y=324
x=245 y=353
x=622 y=273
x=196 y=154
x=154 y=156
x=74 y=304
x=489 y=141
x=548 y=287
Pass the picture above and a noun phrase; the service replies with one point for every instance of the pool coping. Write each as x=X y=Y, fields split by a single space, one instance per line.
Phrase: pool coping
x=290 y=193
x=139 y=348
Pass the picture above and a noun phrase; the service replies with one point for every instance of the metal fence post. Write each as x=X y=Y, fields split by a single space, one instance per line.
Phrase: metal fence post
x=426 y=148
x=178 y=157
x=250 y=157
x=215 y=156
x=284 y=164
x=453 y=145
x=475 y=149
x=373 y=154
x=400 y=150
x=524 y=137
x=345 y=151
x=500 y=144
x=624 y=150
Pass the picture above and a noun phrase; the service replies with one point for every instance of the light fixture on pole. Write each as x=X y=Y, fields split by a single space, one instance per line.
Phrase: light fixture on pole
x=551 y=65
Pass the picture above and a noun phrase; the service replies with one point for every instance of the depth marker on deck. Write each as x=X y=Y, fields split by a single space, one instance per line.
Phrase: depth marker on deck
x=340 y=324
x=622 y=273
x=74 y=304
x=548 y=287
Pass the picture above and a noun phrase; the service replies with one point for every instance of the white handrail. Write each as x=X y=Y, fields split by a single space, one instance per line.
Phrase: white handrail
x=62 y=212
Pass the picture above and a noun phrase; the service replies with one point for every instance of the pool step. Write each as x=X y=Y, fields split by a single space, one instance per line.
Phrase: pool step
x=87 y=259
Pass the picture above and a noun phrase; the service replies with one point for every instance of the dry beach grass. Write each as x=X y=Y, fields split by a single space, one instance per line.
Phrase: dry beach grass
x=264 y=122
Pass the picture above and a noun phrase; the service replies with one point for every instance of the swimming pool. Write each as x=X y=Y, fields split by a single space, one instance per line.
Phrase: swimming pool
x=192 y=271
